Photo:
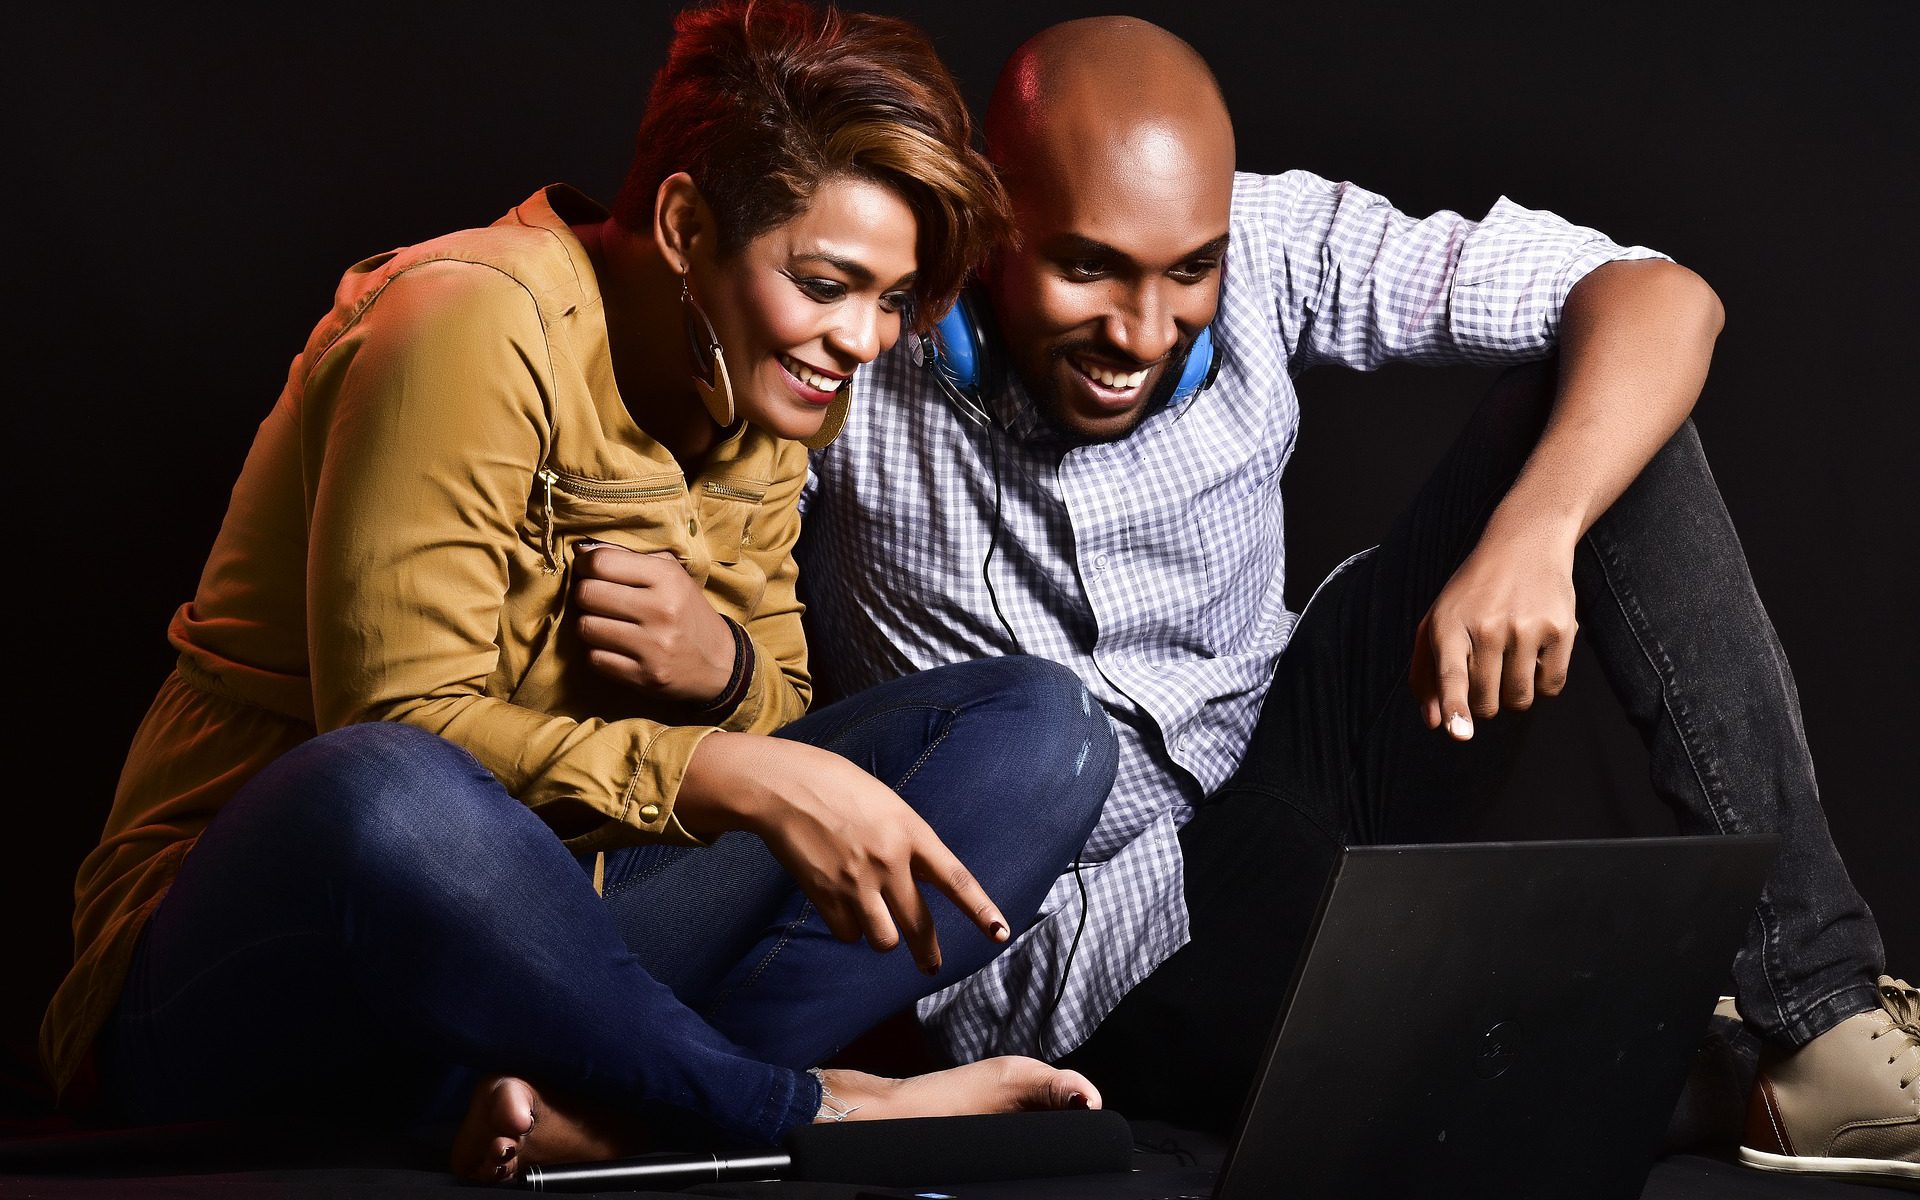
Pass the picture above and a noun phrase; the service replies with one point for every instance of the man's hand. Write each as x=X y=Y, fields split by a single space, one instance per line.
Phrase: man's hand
x=647 y=624
x=1635 y=341
x=1499 y=633
x=855 y=848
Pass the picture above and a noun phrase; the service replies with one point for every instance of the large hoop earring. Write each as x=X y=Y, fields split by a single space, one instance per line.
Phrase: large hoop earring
x=710 y=377
x=835 y=418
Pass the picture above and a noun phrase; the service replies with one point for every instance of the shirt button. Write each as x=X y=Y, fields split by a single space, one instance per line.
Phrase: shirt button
x=650 y=812
x=1099 y=562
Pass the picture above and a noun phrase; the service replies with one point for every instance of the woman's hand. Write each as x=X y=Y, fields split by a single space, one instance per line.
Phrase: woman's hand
x=855 y=848
x=1499 y=633
x=647 y=623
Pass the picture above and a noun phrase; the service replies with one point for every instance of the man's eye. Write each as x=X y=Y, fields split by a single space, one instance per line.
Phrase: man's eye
x=1085 y=268
x=1196 y=270
x=826 y=291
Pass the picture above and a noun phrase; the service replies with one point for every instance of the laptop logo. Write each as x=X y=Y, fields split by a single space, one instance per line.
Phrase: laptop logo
x=1499 y=1046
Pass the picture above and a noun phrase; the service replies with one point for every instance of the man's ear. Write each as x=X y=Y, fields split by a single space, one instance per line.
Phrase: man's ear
x=681 y=220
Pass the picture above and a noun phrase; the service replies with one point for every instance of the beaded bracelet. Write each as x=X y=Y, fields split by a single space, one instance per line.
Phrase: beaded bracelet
x=742 y=677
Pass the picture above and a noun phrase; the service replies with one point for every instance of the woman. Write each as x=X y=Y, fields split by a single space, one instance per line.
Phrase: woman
x=515 y=544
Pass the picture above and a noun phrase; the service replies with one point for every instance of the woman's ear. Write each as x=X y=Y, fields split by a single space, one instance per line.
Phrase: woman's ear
x=681 y=220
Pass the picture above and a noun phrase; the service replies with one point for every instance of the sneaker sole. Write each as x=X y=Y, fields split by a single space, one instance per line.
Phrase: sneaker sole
x=1880 y=1170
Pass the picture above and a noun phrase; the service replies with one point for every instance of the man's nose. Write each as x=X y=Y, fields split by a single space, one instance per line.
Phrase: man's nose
x=1143 y=327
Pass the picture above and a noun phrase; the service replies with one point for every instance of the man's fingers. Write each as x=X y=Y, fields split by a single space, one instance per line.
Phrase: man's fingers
x=1452 y=658
x=1516 y=674
x=1556 y=660
x=1420 y=673
x=1485 y=663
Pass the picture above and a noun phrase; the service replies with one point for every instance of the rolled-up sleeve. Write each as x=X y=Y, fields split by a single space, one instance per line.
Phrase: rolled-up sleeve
x=422 y=429
x=1359 y=283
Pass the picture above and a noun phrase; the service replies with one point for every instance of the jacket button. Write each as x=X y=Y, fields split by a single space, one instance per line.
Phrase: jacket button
x=650 y=812
x=693 y=527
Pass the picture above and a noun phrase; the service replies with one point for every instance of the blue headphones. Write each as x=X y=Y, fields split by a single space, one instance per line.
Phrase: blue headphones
x=966 y=363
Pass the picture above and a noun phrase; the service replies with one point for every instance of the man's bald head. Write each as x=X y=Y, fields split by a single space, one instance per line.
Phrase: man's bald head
x=1115 y=146
x=1077 y=92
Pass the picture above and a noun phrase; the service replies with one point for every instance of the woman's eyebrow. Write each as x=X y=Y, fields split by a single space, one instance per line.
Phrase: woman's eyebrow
x=858 y=272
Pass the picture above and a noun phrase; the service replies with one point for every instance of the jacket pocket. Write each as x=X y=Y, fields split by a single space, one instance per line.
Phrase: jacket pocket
x=727 y=510
x=566 y=507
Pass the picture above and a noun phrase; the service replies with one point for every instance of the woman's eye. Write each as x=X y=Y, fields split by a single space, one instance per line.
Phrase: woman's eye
x=825 y=291
x=896 y=302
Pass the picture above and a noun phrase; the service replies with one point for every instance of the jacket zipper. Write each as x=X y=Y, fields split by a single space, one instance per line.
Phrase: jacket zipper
x=588 y=490
x=727 y=491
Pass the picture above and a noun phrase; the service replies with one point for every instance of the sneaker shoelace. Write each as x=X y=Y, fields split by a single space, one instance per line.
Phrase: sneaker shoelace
x=1901 y=1000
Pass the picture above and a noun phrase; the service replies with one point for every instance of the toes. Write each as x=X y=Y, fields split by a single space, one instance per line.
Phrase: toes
x=1071 y=1089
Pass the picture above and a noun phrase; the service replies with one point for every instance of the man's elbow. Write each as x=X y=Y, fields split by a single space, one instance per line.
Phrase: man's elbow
x=1690 y=301
x=1710 y=315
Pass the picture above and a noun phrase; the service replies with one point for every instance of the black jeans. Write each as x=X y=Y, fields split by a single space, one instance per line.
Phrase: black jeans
x=1342 y=755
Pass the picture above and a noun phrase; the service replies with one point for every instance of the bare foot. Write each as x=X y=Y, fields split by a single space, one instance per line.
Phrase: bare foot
x=993 y=1085
x=510 y=1125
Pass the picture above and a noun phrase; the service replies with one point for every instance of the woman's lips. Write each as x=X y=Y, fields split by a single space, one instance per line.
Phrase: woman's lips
x=806 y=381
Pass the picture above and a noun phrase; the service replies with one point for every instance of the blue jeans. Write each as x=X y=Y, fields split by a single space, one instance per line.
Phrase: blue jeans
x=1342 y=755
x=373 y=919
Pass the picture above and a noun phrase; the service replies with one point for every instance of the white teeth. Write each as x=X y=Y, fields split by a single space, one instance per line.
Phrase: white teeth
x=1120 y=381
x=809 y=376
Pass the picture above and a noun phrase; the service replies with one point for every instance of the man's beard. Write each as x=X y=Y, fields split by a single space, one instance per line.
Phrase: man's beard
x=1053 y=409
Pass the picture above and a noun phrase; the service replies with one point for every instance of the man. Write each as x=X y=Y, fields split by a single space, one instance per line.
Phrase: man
x=1097 y=518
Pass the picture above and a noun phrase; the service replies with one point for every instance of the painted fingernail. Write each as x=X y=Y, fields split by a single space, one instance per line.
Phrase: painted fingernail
x=1459 y=726
x=1077 y=1100
x=999 y=929
x=930 y=969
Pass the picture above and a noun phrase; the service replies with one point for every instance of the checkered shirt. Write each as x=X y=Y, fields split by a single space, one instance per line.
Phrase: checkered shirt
x=1154 y=565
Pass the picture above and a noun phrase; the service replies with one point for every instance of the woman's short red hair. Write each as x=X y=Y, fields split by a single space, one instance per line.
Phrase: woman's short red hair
x=762 y=101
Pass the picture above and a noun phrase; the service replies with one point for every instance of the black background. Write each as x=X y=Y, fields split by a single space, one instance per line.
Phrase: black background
x=187 y=185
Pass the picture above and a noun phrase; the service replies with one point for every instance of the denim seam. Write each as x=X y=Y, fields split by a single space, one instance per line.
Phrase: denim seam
x=766 y=960
x=927 y=753
x=869 y=717
x=1677 y=716
x=806 y=906
x=638 y=878
x=155 y=1010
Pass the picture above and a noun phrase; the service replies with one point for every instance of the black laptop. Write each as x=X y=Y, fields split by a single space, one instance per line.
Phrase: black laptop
x=1508 y=1019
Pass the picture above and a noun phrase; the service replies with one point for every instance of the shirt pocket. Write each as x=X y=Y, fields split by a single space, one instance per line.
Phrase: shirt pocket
x=542 y=663
x=643 y=514
x=728 y=509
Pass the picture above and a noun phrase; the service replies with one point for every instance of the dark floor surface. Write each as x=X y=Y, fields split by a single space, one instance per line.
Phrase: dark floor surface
x=213 y=1161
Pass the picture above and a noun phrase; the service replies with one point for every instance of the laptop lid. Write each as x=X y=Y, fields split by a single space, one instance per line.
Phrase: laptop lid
x=1495 y=1019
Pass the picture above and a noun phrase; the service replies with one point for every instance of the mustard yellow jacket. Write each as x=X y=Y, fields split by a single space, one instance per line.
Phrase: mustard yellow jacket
x=398 y=548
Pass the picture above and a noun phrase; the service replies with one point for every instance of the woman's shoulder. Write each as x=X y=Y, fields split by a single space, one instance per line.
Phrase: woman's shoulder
x=501 y=265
